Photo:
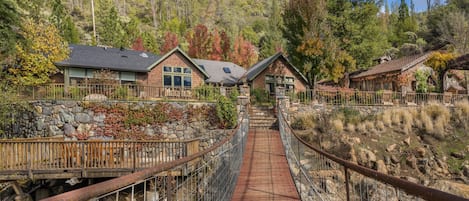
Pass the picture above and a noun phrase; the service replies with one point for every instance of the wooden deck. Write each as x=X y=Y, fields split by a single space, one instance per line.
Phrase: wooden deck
x=265 y=174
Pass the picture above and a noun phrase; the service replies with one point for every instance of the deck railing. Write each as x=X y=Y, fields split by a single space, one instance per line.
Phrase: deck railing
x=30 y=156
x=322 y=176
x=366 y=98
x=213 y=176
x=118 y=92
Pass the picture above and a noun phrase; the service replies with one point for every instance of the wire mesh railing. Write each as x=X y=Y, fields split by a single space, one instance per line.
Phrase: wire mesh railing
x=207 y=175
x=366 y=98
x=319 y=175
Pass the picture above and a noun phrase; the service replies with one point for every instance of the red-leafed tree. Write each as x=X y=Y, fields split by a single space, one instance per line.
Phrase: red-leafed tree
x=138 y=44
x=244 y=53
x=199 y=42
x=225 y=45
x=217 y=51
x=170 y=42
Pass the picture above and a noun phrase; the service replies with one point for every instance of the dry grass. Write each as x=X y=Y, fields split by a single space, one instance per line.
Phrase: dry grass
x=380 y=126
x=361 y=128
x=461 y=111
x=386 y=118
x=337 y=125
x=396 y=117
x=426 y=122
x=304 y=122
x=350 y=127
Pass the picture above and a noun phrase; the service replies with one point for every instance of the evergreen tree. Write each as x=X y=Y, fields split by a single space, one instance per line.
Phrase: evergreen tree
x=9 y=19
x=63 y=22
x=110 y=31
x=272 y=41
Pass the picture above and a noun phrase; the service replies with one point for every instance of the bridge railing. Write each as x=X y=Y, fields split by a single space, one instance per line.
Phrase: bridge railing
x=366 y=98
x=28 y=156
x=212 y=176
x=319 y=175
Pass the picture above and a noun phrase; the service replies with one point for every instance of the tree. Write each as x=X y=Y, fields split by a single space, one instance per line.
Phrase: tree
x=138 y=44
x=225 y=44
x=439 y=63
x=170 y=42
x=199 y=42
x=42 y=46
x=9 y=19
x=110 y=30
x=244 y=53
x=149 y=42
x=454 y=30
x=217 y=52
x=272 y=41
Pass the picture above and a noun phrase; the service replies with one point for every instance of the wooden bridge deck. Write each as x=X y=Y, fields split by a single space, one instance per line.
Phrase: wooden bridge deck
x=265 y=174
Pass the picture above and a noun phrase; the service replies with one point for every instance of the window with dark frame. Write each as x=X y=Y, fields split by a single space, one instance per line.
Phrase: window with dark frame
x=177 y=77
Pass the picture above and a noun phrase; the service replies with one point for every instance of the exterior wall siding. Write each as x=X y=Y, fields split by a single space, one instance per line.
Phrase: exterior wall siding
x=279 y=68
x=155 y=76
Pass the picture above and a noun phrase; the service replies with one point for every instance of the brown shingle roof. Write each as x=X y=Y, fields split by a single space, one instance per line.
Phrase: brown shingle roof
x=400 y=64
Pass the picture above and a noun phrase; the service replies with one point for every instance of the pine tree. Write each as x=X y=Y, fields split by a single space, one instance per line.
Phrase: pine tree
x=9 y=19
x=272 y=41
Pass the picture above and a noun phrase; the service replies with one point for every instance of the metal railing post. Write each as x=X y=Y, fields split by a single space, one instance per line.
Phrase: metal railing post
x=347 y=187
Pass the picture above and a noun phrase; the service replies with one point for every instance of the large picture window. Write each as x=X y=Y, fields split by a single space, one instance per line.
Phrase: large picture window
x=177 y=77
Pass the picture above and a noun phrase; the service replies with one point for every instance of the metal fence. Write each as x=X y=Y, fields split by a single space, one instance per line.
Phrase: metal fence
x=321 y=176
x=30 y=156
x=213 y=176
x=364 y=98
x=121 y=92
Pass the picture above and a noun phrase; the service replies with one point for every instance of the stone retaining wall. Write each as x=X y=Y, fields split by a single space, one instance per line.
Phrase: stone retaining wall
x=63 y=119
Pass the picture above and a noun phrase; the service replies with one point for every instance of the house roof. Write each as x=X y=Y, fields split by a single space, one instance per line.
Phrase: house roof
x=460 y=63
x=109 y=58
x=215 y=69
x=255 y=70
x=400 y=64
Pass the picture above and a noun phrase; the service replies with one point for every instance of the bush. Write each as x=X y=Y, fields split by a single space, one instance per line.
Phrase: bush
x=261 y=96
x=207 y=92
x=121 y=92
x=337 y=126
x=303 y=122
x=226 y=112
x=461 y=110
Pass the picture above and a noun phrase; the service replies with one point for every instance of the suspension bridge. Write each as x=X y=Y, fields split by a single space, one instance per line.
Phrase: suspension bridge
x=262 y=159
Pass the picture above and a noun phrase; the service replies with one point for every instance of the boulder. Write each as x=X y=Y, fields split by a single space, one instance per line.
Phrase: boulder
x=82 y=118
x=95 y=97
x=458 y=155
x=69 y=129
x=421 y=152
x=381 y=167
x=407 y=141
x=391 y=148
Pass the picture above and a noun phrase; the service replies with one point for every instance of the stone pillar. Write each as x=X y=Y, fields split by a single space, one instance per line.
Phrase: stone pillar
x=243 y=104
x=282 y=100
x=244 y=90
x=222 y=90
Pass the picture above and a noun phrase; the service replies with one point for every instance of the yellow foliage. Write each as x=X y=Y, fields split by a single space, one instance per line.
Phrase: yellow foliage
x=439 y=61
x=36 y=56
x=311 y=47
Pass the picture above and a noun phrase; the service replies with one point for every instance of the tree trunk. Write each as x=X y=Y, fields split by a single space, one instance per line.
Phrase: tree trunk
x=153 y=13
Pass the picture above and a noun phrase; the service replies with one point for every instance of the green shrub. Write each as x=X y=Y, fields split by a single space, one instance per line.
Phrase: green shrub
x=121 y=92
x=261 y=96
x=207 y=92
x=234 y=95
x=226 y=112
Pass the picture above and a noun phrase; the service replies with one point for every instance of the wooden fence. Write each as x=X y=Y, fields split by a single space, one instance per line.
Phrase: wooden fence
x=57 y=155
